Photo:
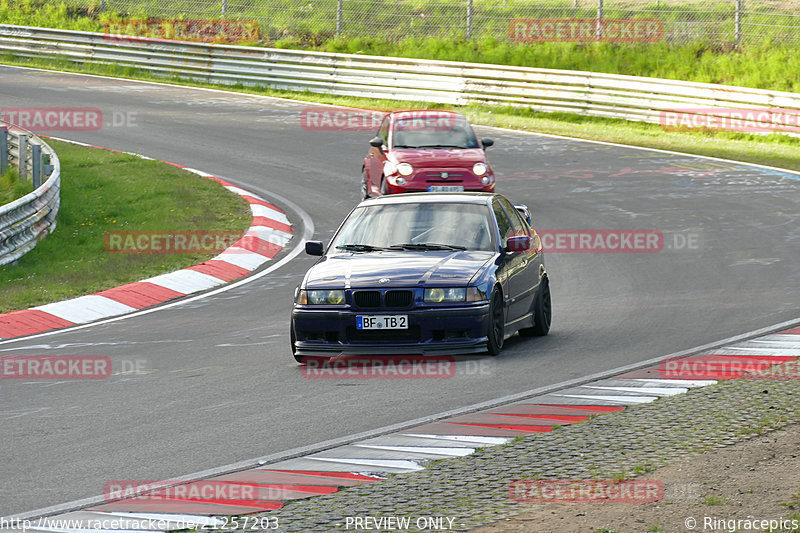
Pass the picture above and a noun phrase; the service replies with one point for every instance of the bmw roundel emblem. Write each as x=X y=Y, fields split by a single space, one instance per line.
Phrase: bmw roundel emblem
x=383 y=280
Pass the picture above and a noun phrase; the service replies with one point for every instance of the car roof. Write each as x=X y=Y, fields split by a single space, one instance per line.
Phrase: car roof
x=433 y=197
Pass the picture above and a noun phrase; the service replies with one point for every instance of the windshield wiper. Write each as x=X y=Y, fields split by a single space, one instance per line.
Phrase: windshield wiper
x=359 y=248
x=403 y=146
x=425 y=246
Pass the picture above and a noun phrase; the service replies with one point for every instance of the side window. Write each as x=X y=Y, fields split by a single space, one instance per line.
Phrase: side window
x=503 y=223
x=518 y=225
x=383 y=132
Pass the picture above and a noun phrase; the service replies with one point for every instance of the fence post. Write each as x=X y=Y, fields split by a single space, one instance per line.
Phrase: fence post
x=3 y=150
x=737 y=22
x=469 y=19
x=36 y=163
x=22 y=162
x=339 y=17
x=599 y=20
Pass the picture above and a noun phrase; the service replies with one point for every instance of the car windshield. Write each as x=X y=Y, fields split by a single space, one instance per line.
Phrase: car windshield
x=434 y=132
x=416 y=226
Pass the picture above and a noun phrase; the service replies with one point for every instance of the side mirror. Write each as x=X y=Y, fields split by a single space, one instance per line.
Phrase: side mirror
x=518 y=243
x=487 y=142
x=377 y=142
x=314 y=248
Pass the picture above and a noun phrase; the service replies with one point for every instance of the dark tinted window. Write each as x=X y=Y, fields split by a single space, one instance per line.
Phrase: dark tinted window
x=448 y=131
x=503 y=223
x=519 y=226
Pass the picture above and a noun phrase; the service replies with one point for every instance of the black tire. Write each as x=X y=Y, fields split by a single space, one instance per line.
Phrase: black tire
x=364 y=188
x=496 y=333
x=542 y=312
x=384 y=187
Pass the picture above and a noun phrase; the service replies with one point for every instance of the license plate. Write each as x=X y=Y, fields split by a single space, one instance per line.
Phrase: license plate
x=445 y=188
x=382 y=322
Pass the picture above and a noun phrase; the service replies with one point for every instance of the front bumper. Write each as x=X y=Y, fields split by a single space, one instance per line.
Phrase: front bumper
x=420 y=182
x=431 y=331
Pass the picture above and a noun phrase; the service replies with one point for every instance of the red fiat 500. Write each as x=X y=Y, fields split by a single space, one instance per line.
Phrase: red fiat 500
x=418 y=151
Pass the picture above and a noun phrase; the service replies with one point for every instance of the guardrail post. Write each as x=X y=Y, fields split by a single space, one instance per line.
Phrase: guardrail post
x=737 y=22
x=339 y=17
x=22 y=163
x=599 y=20
x=36 y=163
x=469 y=19
x=3 y=150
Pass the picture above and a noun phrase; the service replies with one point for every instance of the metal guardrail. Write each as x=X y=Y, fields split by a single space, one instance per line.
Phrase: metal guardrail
x=445 y=82
x=32 y=217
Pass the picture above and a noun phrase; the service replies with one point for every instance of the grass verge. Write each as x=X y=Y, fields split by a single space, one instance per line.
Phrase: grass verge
x=11 y=187
x=104 y=191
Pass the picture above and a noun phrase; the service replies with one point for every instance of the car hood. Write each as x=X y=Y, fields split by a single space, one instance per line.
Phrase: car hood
x=441 y=157
x=402 y=269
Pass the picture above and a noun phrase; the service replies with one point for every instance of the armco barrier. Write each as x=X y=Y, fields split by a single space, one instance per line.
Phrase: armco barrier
x=446 y=82
x=30 y=218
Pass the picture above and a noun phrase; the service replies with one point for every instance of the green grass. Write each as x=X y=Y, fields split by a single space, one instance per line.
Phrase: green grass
x=103 y=191
x=714 y=500
x=762 y=63
x=11 y=187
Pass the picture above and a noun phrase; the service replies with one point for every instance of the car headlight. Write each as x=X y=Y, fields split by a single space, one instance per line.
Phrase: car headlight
x=405 y=169
x=444 y=295
x=479 y=169
x=321 y=297
x=453 y=294
x=389 y=168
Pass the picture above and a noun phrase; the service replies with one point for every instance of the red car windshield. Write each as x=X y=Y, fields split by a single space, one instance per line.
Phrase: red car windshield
x=444 y=132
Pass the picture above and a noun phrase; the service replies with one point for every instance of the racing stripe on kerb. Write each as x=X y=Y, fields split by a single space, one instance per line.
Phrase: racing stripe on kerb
x=270 y=231
x=373 y=459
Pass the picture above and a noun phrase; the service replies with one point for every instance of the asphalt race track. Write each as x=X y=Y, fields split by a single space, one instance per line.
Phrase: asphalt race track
x=220 y=384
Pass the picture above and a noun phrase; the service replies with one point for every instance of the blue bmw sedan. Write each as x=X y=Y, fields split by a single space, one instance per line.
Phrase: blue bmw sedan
x=423 y=273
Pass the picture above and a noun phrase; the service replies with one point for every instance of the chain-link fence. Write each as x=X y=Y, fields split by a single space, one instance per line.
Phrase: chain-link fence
x=713 y=21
